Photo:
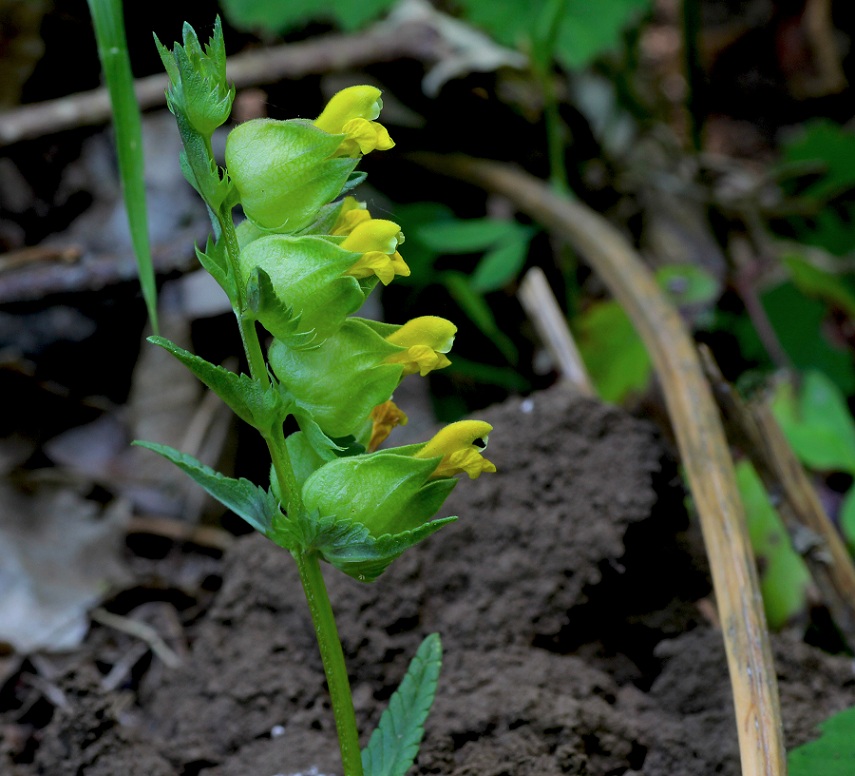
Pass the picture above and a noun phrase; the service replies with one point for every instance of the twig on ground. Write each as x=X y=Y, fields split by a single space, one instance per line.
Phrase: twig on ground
x=755 y=431
x=323 y=54
x=700 y=437
x=542 y=308
x=141 y=631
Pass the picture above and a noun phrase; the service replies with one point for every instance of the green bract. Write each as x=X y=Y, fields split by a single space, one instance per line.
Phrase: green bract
x=198 y=89
x=307 y=274
x=284 y=171
x=342 y=380
x=389 y=492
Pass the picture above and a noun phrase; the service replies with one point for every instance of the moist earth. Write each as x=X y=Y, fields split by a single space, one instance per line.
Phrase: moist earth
x=573 y=601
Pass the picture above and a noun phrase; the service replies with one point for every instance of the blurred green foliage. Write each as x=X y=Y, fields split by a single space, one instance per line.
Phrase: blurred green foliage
x=832 y=754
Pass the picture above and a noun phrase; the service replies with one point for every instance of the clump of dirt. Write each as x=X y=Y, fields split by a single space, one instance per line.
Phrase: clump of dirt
x=566 y=600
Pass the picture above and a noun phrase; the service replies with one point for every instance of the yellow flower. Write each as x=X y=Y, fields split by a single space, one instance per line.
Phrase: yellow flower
x=384 y=418
x=427 y=339
x=377 y=240
x=460 y=445
x=351 y=113
x=351 y=214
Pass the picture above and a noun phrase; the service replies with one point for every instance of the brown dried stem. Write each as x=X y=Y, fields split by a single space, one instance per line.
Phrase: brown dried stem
x=323 y=54
x=753 y=429
x=700 y=438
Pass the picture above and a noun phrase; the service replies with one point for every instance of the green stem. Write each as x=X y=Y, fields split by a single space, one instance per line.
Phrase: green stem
x=333 y=660
x=284 y=471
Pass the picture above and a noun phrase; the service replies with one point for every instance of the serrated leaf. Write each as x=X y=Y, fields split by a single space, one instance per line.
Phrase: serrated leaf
x=832 y=754
x=247 y=500
x=261 y=407
x=395 y=742
x=348 y=545
x=501 y=265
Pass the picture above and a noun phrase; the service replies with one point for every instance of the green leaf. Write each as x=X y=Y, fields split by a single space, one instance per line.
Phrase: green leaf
x=341 y=380
x=272 y=15
x=113 y=51
x=831 y=287
x=348 y=545
x=261 y=407
x=687 y=284
x=307 y=275
x=798 y=324
x=847 y=519
x=818 y=424
x=387 y=492
x=351 y=16
x=285 y=171
x=471 y=236
x=832 y=754
x=613 y=352
x=479 y=312
x=254 y=504
x=590 y=30
x=586 y=30
x=395 y=742
x=501 y=265
x=419 y=256
x=276 y=16
x=784 y=578
x=279 y=319
x=830 y=146
x=489 y=374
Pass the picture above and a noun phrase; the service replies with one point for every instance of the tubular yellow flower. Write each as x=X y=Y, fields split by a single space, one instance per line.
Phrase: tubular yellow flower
x=352 y=214
x=384 y=418
x=377 y=240
x=460 y=445
x=351 y=113
x=427 y=339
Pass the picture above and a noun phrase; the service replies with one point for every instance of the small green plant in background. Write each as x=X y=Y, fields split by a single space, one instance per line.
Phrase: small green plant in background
x=300 y=265
x=832 y=754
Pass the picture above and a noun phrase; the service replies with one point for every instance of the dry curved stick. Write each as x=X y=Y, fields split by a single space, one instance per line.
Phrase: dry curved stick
x=261 y=66
x=700 y=437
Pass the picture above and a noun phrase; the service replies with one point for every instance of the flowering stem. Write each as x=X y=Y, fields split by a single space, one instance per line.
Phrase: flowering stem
x=333 y=660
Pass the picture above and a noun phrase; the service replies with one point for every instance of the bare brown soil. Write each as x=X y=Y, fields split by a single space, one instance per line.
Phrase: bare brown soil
x=571 y=598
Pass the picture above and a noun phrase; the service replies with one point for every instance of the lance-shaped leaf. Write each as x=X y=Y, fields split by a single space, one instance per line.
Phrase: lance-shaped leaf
x=261 y=407
x=258 y=507
x=341 y=380
x=395 y=742
x=308 y=275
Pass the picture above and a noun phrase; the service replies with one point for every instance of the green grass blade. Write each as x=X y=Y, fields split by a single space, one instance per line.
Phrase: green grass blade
x=395 y=743
x=113 y=51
